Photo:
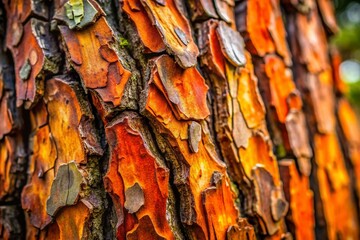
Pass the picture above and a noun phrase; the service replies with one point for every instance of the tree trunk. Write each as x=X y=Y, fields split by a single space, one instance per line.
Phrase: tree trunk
x=172 y=119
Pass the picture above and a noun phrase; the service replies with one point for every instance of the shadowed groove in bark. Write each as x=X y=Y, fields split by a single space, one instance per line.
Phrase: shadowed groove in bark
x=177 y=195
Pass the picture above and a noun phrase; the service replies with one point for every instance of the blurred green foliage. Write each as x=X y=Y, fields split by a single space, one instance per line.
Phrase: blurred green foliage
x=348 y=41
x=348 y=17
x=354 y=94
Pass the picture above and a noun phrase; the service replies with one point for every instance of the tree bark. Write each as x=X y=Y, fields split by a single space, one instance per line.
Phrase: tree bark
x=172 y=119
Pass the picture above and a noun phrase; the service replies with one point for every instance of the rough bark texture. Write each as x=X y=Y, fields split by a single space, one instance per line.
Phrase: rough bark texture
x=172 y=119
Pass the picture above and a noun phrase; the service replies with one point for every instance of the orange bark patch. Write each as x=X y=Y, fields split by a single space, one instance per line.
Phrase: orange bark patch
x=327 y=12
x=5 y=115
x=97 y=63
x=9 y=146
x=44 y=150
x=338 y=83
x=298 y=194
x=35 y=195
x=185 y=90
x=22 y=9
x=322 y=100
x=349 y=122
x=71 y=222
x=148 y=33
x=64 y=118
x=264 y=28
x=259 y=152
x=211 y=54
x=334 y=187
x=34 y=233
x=311 y=45
x=241 y=130
x=351 y=130
x=248 y=96
x=41 y=169
x=29 y=84
x=145 y=228
x=5 y=162
x=202 y=164
x=174 y=29
x=220 y=214
x=145 y=206
x=281 y=85
x=39 y=115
